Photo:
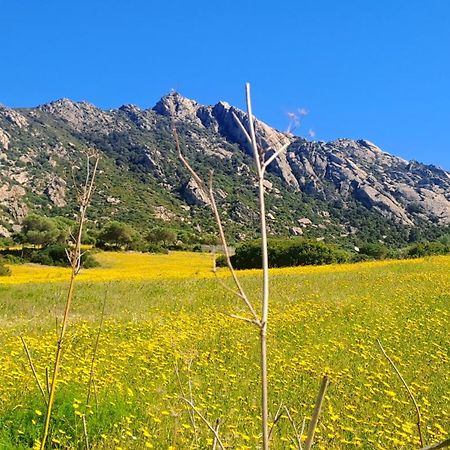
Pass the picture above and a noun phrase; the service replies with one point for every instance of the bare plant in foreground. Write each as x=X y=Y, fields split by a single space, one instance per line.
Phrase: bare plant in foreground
x=74 y=255
x=260 y=321
x=443 y=444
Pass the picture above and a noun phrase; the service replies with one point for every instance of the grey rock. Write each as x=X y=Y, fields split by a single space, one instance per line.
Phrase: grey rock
x=295 y=231
x=56 y=191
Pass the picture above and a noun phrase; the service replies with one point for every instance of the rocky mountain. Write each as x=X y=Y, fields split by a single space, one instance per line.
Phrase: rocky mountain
x=338 y=188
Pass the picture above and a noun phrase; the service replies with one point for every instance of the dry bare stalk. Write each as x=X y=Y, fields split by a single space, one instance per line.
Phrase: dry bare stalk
x=47 y=380
x=277 y=417
x=94 y=355
x=91 y=375
x=265 y=269
x=443 y=444
x=85 y=198
x=213 y=429
x=210 y=193
x=262 y=321
x=316 y=413
x=33 y=370
x=85 y=432
x=216 y=427
x=298 y=436
x=411 y=396
x=190 y=412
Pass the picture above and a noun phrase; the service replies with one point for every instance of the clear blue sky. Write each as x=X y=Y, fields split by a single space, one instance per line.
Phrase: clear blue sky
x=374 y=69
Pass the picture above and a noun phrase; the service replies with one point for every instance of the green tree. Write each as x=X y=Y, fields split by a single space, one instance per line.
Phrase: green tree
x=163 y=236
x=41 y=231
x=116 y=234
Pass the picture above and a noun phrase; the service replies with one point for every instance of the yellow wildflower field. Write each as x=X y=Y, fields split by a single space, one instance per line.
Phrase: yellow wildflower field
x=167 y=333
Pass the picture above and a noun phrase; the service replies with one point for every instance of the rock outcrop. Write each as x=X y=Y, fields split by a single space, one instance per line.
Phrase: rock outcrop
x=38 y=146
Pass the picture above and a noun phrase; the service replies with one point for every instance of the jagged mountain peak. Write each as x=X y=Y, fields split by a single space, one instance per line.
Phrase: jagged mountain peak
x=344 y=172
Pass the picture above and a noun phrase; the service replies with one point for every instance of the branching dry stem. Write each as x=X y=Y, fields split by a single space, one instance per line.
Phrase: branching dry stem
x=214 y=430
x=33 y=370
x=442 y=444
x=411 y=395
x=85 y=198
x=260 y=321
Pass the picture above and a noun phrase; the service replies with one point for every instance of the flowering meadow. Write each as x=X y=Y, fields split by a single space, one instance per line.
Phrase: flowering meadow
x=166 y=334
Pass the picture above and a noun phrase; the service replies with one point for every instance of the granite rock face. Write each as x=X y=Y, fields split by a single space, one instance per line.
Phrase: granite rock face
x=40 y=146
x=399 y=190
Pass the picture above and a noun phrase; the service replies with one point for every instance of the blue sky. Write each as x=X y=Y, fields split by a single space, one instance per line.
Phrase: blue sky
x=369 y=69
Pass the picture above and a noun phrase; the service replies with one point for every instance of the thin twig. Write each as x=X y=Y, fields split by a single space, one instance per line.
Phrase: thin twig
x=85 y=431
x=275 y=156
x=443 y=444
x=33 y=370
x=192 y=398
x=210 y=193
x=94 y=355
x=411 y=396
x=213 y=430
x=316 y=412
x=277 y=417
x=242 y=128
x=85 y=199
x=189 y=410
x=47 y=380
x=245 y=319
x=298 y=436
x=216 y=427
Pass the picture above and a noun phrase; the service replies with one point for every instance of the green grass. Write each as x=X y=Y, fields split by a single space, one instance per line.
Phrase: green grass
x=322 y=321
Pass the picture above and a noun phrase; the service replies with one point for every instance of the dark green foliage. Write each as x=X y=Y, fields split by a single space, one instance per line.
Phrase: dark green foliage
x=52 y=255
x=162 y=236
x=374 y=250
x=427 y=249
x=221 y=261
x=41 y=231
x=4 y=271
x=116 y=235
x=288 y=252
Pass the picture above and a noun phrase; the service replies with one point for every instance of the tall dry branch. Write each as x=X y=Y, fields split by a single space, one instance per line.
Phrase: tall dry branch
x=261 y=321
x=85 y=195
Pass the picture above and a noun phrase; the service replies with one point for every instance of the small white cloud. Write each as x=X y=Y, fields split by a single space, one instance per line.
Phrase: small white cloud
x=295 y=118
x=311 y=133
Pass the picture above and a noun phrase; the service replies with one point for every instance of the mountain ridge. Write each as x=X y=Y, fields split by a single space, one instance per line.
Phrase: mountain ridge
x=327 y=181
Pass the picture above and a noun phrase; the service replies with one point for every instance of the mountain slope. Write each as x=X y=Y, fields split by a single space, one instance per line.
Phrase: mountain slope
x=317 y=188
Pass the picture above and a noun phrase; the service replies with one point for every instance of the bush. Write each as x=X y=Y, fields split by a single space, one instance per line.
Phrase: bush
x=288 y=252
x=221 y=261
x=427 y=249
x=374 y=251
x=4 y=270
x=55 y=255
x=116 y=235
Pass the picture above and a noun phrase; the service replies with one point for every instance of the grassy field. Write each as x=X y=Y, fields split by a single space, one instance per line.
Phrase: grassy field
x=166 y=313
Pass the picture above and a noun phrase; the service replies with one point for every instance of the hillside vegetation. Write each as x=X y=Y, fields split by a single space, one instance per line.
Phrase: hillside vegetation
x=323 y=320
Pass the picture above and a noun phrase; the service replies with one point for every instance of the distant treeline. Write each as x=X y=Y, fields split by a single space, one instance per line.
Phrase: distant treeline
x=303 y=252
x=44 y=240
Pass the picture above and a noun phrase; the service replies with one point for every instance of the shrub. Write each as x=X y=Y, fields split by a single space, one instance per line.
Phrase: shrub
x=374 y=251
x=4 y=270
x=55 y=255
x=221 y=261
x=427 y=249
x=117 y=235
x=288 y=252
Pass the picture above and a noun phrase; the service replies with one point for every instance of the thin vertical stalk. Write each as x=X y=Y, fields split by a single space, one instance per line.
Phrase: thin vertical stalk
x=265 y=281
x=316 y=413
x=75 y=267
x=411 y=395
